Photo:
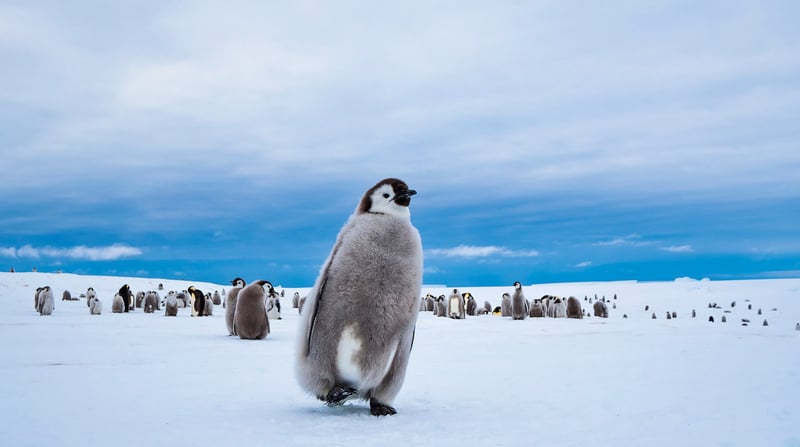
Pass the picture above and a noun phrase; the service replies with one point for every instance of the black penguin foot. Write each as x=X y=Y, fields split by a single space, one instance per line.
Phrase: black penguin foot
x=378 y=409
x=338 y=395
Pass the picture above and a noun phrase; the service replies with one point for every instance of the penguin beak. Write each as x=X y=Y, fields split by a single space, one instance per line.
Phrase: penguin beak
x=403 y=198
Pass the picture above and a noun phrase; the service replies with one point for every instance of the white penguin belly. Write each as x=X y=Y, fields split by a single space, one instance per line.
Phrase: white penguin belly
x=346 y=366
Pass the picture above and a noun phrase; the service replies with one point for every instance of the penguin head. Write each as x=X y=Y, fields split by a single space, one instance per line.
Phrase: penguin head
x=517 y=285
x=238 y=282
x=389 y=196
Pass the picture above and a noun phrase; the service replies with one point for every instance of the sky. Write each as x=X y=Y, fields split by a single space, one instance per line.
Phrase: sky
x=548 y=141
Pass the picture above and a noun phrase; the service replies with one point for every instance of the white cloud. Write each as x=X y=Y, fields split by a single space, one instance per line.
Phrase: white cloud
x=631 y=240
x=8 y=252
x=583 y=264
x=477 y=251
x=678 y=249
x=108 y=253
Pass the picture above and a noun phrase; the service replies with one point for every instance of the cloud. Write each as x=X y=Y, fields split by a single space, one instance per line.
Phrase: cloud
x=108 y=253
x=583 y=264
x=678 y=249
x=631 y=240
x=476 y=251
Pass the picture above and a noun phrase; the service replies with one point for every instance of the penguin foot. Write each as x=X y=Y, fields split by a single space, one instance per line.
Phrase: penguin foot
x=378 y=409
x=338 y=395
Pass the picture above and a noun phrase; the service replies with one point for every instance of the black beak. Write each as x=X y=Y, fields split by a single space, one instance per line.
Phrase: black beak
x=404 y=194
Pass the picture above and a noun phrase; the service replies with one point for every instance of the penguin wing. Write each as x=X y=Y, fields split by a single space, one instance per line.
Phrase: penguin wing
x=315 y=304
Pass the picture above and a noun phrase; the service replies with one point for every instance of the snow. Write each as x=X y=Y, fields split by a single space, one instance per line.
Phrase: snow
x=74 y=379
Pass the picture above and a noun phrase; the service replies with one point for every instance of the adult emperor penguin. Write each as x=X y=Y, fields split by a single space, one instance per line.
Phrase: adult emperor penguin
x=198 y=300
x=357 y=330
x=127 y=297
x=230 y=304
x=519 y=306
x=250 y=321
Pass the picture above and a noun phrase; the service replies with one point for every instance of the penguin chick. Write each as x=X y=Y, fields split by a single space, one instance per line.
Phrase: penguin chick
x=574 y=309
x=505 y=305
x=519 y=306
x=357 y=330
x=250 y=319
x=96 y=306
x=171 y=305
x=46 y=301
x=230 y=304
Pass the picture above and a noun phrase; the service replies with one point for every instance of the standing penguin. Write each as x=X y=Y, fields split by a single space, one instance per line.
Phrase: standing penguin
x=355 y=336
x=574 y=309
x=117 y=304
x=198 y=300
x=90 y=293
x=519 y=306
x=230 y=304
x=127 y=297
x=455 y=306
x=250 y=320
x=96 y=306
x=46 y=301
x=472 y=305
x=505 y=306
x=296 y=300
x=171 y=305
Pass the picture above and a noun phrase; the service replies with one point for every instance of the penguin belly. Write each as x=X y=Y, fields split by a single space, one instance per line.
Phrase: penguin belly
x=351 y=371
x=454 y=308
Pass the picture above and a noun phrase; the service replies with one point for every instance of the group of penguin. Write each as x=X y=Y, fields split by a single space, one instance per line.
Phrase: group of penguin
x=459 y=305
x=248 y=308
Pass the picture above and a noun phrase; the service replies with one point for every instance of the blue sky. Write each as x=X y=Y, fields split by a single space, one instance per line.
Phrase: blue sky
x=548 y=141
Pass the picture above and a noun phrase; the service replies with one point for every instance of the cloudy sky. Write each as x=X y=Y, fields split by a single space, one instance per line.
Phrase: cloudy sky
x=548 y=140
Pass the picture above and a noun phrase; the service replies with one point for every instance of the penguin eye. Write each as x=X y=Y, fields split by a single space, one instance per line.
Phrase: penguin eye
x=385 y=195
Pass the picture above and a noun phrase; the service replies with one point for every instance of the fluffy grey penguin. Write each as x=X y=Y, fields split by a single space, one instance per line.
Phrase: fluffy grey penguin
x=36 y=299
x=574 y=309
x=600 y=309
x=505 y=306
x=441 y=307
x=208 y=310
x=171 y=305
x=430 y=303
x=150 y=302
x=46 y=301
x=296 y=300
x=216 y=299
x=90 y=293
x=230 y=304
x=356 y=334
x=140 y=299
x=66 y=296
x=455 y=306
x=537 y=311
x=117 y=304
x=519 y=307
x=472 y=305
x=250 y=321
x=96 y=306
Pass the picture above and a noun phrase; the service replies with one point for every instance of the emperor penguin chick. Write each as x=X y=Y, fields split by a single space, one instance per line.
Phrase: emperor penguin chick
x=519 y=306
x=250 y=320
x=455 y=306
x=357 y=329
x=230 y=304
x=46 y=301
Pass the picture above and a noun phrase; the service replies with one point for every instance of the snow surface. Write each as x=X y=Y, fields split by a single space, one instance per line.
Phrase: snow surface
x=74 y=379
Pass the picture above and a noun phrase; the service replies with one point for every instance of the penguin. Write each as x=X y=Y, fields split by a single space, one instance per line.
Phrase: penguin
x=430 y=303
x=216 y=299
x=600 y=309
x=117 y=304
x=250 y=319
x=273 y=303
x=472 y=305
x=296 y=300
x=171 y=305
x=560 y=307
x=574 y=309
x=441 y=307
x=300 y=305
x=797 y=327
x=421 y=306
x=181 y=297
x=519 y=307
x=694 y=313
x=355 y=339
x=127 y=297
x=209 y=309
x=198 y=300
x=230 y=304
x=96 y=306
x=149 y=304
x=487 y=306
x=46 y=301
x=90 y=293
x=36 y=300
x=505 y=306
x=455 y=306
x=139 y=302
x=537 y=311
x=66 y=296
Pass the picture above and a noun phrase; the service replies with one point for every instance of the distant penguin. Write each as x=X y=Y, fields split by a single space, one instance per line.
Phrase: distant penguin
x=694 y=313
x=296 y=300
x=300 y=305
x=171 y=305
x=182 y=300
x=669 y=316
x=441 y=307
x=273 y=308
x=711 y=318
x=723 y=319
x=150 y=302
x=46 y=301
x=208 y=310
x=519 y=305
x=118 y=304
x=355 y=340
x=574 y=309
x=765 y=323
x=96 y=306
x=421 y=306
x=487 y=306
x=455 y=306
x=600 y=309
x=560 y=306
x=198 y=300
x=90 y=293
x=797 y=327
x=250 y=319
x=654 y=316
x=66 y=296
x=430 y=303
x=139 y=301
x=230 y=304
x=472 y=305
x=216 y=299
x=505 y=305
x=127 y=297
x=36 y=305
x=537 y=311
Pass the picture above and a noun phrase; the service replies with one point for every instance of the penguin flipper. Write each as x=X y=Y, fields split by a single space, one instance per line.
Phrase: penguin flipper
x=313 y=320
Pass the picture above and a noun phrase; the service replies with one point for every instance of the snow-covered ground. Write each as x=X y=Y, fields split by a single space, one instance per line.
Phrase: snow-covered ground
x=73 y=379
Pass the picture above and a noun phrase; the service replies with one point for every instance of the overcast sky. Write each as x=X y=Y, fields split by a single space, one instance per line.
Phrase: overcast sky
x=548 y=140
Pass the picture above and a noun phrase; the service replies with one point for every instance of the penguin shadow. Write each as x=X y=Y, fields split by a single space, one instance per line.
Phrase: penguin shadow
x=348 y=410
